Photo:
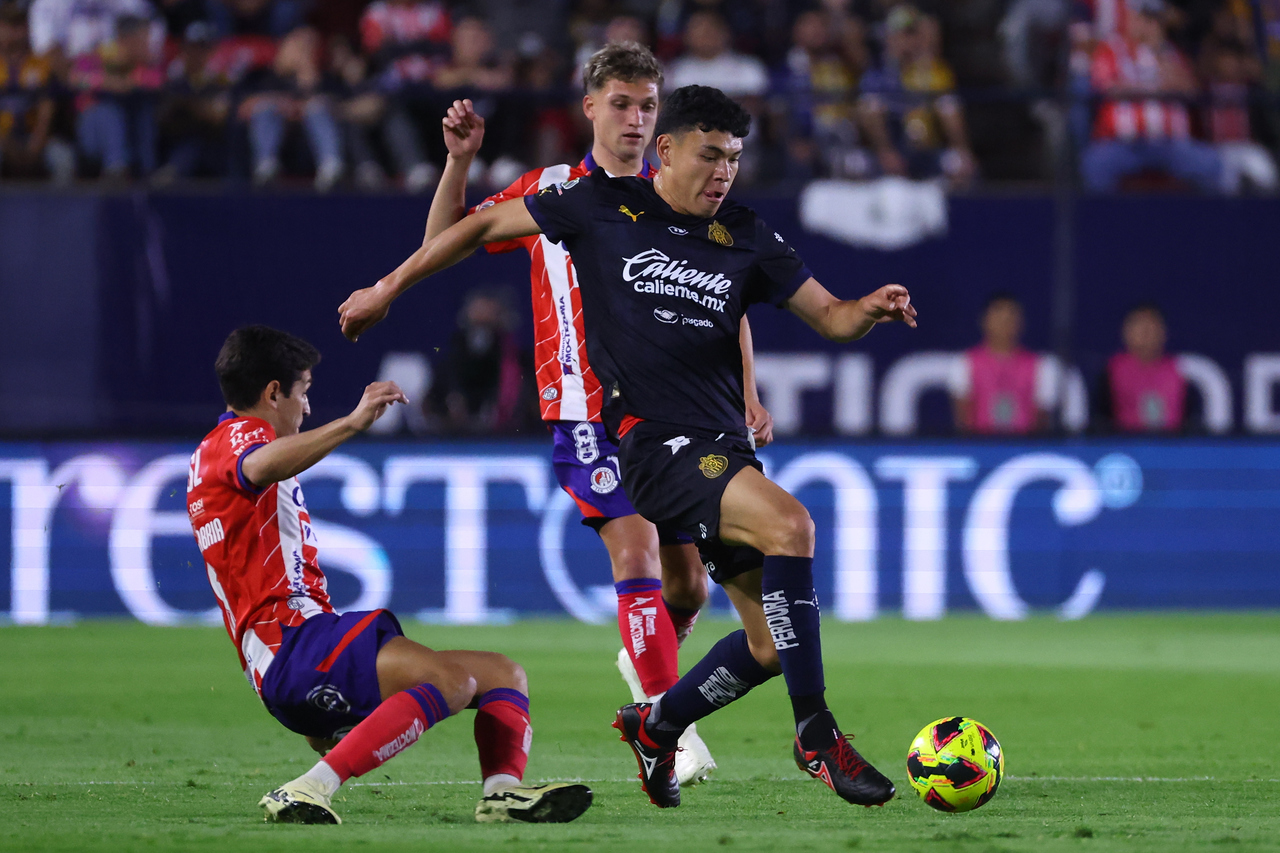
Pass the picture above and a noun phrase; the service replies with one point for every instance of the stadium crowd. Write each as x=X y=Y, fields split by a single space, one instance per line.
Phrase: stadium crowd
x=1117 y=93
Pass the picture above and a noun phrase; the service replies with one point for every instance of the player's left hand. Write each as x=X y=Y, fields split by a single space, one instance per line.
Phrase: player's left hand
x=890 y=304
x=363 y=310
x=463 y=130
x=760 y=422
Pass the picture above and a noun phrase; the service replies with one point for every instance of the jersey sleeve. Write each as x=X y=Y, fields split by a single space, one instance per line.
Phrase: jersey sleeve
x=522 y=186
x=563 y=210
x=779 y=272
x=226 y=462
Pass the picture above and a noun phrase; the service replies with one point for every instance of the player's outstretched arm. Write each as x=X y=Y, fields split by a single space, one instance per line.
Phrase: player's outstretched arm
x=289 y=456
x=463 y=135
x=506 y=221
x=845 y=320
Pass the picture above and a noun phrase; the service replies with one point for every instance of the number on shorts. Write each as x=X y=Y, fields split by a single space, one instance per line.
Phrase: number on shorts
x=584 y=439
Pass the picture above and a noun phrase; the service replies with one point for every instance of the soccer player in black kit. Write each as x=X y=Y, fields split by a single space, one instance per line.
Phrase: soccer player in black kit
x=665 y=270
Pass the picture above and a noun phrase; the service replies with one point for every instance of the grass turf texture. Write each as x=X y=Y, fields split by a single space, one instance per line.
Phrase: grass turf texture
x=1144 y=732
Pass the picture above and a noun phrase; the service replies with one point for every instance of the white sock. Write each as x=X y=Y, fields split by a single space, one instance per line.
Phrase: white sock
x=498 y=781
x=322 y=774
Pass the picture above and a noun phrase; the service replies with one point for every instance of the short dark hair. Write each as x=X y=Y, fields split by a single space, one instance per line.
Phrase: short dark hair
x=998 y=297
x=704 y=108
x=627 y=61
x=1145 y=308
x=252 y=356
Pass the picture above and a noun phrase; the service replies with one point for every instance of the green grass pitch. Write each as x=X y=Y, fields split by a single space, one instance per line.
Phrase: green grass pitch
x=1122 y=732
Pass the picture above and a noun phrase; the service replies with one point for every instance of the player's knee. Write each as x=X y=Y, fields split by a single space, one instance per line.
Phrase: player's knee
x=512 y=674
x=793 y=534
x=634 y=563
x=687 y=593
x=456 y=685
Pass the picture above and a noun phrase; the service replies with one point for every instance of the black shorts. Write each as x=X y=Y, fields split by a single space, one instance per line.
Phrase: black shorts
x=675 y=477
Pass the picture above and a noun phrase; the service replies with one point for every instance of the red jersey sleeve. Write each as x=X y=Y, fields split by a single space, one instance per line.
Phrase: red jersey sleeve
x=522 y=186
x=226 y=461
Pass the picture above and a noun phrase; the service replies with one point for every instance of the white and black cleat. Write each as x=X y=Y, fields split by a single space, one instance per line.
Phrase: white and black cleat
x=558 y=802
x=297 y=802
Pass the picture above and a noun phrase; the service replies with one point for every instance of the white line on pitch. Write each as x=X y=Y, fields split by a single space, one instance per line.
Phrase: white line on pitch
x=419 y=783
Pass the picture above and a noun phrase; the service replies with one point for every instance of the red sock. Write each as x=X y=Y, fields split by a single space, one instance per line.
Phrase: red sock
x=393 y=726
x=503 y=733
x=647 y=634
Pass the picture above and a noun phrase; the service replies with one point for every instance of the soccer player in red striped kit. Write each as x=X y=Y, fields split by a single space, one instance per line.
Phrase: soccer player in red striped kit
x=351 y=683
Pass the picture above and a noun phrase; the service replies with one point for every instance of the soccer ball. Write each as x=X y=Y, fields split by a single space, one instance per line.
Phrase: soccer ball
x=955 y=764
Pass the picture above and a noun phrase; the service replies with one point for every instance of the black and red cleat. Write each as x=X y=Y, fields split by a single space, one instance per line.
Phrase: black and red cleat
x=845 y=772
x=657 y=761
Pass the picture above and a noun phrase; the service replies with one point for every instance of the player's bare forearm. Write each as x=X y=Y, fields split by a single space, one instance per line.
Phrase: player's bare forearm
x=506 y=221
x=749 y=389
x=365 y=308
x=463 y=132
x=844 y=320
x=759 y=421
x=290 y=455
x=449 y=204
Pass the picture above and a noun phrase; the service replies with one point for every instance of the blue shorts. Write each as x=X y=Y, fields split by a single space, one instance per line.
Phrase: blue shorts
x=324 y=678
x=586 y=465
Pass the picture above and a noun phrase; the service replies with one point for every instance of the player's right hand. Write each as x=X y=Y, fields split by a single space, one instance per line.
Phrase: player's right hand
x=463 y=130
x=377 y=396
x=363 y=310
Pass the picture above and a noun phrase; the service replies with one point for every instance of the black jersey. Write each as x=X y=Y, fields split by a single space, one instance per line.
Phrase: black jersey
x=663 y=295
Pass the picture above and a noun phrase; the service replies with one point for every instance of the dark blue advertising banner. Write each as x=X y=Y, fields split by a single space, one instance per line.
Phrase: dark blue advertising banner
x=472 y=532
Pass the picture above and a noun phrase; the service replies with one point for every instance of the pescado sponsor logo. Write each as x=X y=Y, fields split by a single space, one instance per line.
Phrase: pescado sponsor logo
x=653 y=271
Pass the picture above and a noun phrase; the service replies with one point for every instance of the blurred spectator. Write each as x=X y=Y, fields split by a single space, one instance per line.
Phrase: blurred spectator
x=757 y=28
x=911 y=116
x=709 y=60
x=1024 y=25
x=273 y=18
x=118 y=86
x=1143 y=122
x=360 y=108
x=406 y=42
x=1230 y=69
x=819 y=83
x=179 y=15
x=620 y=29
x=194 y=110
x=484 y=386
x=27 y=148
x=296 y=92
x=998 y=387
x=474 y=62
x=62 y=30
x=1142 y=389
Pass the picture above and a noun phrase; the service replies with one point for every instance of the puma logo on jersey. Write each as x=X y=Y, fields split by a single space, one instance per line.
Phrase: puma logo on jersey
x=676 y=443
x=634 y=216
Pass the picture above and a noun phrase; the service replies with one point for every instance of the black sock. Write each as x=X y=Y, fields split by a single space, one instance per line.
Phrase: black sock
x=818 y=730
x=726 y=673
